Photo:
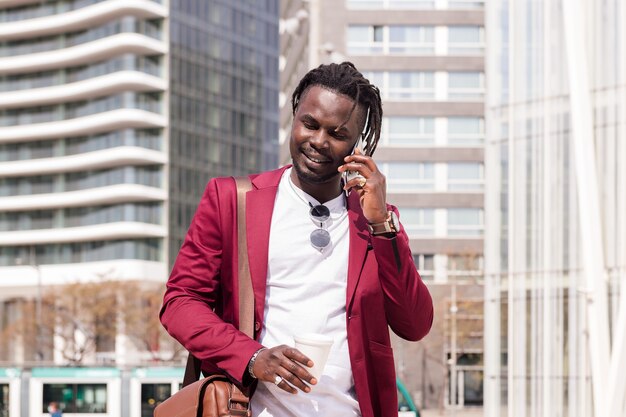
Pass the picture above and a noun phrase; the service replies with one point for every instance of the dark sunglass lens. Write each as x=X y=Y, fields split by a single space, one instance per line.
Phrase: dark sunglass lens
x=320 y=213
x=320 y=238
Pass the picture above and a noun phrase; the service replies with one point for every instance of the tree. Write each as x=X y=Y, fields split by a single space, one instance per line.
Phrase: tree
x=79 y=320
x=141 y=321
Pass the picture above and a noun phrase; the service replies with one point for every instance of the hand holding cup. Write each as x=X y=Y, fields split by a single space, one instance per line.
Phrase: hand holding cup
x=286 y=367
x=317 y=347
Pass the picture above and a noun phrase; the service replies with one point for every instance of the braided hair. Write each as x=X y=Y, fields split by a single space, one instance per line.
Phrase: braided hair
x=346 y=80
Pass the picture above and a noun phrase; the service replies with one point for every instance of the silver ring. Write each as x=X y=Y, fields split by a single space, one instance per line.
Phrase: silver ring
x=362 y=181
x=278 y=379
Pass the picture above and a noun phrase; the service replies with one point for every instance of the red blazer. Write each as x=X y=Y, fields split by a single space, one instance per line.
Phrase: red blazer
x=383 y=289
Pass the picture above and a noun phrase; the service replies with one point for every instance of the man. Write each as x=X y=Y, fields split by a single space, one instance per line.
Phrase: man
x=53 y=409
x=321 y=260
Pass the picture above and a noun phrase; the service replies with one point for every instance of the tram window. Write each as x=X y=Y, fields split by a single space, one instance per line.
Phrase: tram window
x=4 y=400
x=76 y=398
x=152 y=395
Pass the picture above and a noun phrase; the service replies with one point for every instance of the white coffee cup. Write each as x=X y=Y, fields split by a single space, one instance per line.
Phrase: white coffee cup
x=316 y=347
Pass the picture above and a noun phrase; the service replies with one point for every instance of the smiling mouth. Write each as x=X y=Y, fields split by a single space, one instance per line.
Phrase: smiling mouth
x=316 y=160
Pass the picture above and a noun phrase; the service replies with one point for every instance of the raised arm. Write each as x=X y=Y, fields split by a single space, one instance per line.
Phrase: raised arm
x=408 y=304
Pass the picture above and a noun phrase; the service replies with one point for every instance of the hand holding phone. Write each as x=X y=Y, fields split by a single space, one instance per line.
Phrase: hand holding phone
x=360 y=173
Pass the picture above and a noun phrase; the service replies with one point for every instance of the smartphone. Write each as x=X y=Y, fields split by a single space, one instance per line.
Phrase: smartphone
x=348 y=175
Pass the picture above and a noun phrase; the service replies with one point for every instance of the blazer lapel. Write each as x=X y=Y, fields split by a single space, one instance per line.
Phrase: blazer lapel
x=359 y=239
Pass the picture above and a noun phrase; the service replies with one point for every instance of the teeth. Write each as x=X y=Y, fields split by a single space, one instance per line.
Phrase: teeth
x=317 y=161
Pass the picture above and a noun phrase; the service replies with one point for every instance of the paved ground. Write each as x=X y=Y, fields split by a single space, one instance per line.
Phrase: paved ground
x=466 y=412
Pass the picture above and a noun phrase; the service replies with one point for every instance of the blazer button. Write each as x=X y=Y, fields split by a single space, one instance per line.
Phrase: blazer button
x=257 y=326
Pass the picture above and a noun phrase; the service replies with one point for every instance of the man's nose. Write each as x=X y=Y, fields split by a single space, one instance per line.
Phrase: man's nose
x=319 y=139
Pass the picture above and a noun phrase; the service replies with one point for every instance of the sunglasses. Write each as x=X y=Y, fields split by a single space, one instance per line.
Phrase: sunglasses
x=320 y=238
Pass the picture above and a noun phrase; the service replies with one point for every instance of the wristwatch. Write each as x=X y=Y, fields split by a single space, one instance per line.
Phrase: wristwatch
x=389 y=227
x=251 y=362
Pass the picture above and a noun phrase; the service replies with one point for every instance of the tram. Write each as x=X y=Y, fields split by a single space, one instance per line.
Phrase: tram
x=86 y=392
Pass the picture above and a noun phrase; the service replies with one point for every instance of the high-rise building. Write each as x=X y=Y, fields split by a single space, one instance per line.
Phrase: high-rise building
x=114 y=114
x=427 y=57
x=555 y=244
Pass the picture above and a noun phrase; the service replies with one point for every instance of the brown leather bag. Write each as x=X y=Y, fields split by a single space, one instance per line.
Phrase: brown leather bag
x=216 y=395
x=213 y=396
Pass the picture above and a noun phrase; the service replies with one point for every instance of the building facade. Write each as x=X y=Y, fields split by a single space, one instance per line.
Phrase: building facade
x=427 y=57
x=223 y=71
x=113 y=116
x=555 y=245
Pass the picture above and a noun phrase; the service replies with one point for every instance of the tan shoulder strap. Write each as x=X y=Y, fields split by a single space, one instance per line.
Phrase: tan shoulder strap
x=246 y=295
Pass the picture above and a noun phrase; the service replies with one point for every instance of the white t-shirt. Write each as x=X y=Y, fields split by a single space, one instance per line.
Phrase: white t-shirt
x=306 y=293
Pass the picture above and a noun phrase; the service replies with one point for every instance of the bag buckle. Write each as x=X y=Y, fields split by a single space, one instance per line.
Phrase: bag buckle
x=238 y=411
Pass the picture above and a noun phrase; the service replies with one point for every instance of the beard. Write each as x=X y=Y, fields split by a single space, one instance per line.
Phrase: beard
x=311 y=177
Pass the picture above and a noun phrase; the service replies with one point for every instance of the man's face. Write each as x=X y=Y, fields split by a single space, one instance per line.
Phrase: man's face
x=318 y=144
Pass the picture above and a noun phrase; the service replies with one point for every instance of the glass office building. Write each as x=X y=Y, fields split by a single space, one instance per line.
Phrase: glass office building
x=223 y=98
x=113 y=116
x=555 y=244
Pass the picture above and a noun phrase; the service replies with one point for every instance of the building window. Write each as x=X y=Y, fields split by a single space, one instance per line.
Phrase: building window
x=466 y=86
x=466 y=131
x=151 y=176
x=465 y=222
x=465 y=176
x=425 y=265
x=409 y=176
x=467 y=381
x=391 y=4
x=142 y=249
x=33 y=220
x=415 y=4
x=83 y=144
x=404 y=85
x=152 y=395
x=81 y=216
x=37 y=184
x=28 y=150
x=411 y=40
x=397 y=39
x=408 y=131
x=45 y=114
x=365 y=40
x=466 y=40
x=466 y=4
x=411 y=86
x=76 y=398
x=418 y=221
x=4 y=400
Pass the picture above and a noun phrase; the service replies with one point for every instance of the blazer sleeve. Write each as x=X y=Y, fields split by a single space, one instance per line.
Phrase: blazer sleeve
x=193 y=293
x=408 y=304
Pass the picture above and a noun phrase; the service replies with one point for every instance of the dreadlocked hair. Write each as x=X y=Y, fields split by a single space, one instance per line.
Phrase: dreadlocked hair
x=346 y=80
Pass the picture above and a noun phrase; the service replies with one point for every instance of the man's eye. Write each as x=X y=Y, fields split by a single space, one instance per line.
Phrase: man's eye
x=309 y=126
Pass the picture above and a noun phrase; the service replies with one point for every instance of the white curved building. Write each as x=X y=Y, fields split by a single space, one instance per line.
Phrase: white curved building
x=83 y=130
x=113 y=116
